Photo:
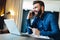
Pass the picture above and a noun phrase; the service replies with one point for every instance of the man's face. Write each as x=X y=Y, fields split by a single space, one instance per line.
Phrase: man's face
x=37 y=9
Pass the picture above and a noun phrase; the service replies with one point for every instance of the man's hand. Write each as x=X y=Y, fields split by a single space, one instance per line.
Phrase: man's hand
x=36 y=31
x=30 y=15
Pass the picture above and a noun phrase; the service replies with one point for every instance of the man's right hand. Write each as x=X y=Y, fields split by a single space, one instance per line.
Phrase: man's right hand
x=30 y=15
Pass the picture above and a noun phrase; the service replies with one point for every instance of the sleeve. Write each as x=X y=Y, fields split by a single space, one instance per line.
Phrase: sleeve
x=34 y=23
x=54 y=27
x=29 y=30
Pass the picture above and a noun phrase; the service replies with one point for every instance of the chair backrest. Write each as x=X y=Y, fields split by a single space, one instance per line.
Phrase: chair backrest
x=57 y=17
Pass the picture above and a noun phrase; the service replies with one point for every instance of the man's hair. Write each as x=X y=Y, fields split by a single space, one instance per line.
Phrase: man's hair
x=40 y=2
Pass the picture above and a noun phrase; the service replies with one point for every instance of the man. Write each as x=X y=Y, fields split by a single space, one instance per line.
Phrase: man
x=44 y=22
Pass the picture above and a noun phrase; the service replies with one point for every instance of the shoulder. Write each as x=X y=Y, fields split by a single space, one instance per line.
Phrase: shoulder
x=49 y=14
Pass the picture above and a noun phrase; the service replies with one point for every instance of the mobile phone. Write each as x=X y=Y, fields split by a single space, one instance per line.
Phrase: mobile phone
x=33 y=13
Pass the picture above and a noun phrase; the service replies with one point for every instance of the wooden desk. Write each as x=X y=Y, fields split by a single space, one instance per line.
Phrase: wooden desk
x=15 y=37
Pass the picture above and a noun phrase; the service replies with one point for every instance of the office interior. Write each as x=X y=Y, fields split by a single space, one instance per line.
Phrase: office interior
x=14 y=9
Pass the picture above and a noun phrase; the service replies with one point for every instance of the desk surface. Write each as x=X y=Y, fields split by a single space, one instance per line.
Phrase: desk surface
x=15 y=37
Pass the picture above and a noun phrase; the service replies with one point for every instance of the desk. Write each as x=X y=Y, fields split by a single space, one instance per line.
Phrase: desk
x=15 y=37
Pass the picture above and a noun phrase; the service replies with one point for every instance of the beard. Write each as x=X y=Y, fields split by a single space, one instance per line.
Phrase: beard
x=39 y=13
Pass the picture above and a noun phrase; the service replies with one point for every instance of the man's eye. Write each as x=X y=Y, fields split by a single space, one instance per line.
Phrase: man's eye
x=35 y=7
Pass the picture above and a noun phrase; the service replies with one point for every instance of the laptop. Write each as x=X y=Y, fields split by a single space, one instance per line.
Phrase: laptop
x=12 y=27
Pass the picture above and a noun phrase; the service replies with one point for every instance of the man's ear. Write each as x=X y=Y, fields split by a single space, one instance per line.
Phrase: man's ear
x=42 y=7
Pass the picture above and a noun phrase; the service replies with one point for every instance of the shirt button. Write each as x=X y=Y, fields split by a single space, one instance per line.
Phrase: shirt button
x=41 y=26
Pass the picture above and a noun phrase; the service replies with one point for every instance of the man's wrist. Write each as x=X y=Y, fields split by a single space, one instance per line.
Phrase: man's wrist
x=28 y=18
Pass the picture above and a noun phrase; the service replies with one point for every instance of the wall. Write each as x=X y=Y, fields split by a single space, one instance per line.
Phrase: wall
x=49 y=5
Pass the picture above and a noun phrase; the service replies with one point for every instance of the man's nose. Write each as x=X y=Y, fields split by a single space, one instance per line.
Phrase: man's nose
x=34 y=10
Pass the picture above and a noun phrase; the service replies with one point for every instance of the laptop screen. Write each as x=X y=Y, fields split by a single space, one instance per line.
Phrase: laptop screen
x=12 y=27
